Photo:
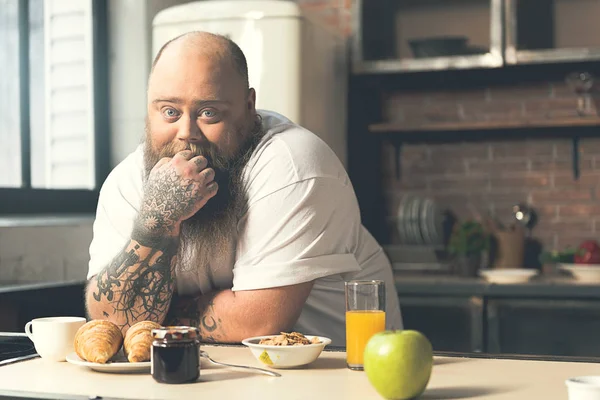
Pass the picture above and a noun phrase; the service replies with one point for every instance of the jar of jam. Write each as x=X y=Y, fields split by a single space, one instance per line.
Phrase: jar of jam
x=175 y=354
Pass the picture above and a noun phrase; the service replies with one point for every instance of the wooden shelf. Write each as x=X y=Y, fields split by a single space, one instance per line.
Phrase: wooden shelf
x=398 y=127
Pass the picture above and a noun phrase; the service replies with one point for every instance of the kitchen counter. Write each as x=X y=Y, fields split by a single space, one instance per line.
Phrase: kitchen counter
x=547 y=316
x=418 y=284
x=555 y=288
x=327 y=378
x=20 y=286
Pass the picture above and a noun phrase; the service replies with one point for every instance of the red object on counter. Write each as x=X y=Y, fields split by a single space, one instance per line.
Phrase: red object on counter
x=588 y=253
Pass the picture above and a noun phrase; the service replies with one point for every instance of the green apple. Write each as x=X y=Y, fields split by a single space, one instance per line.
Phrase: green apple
x=398 y=363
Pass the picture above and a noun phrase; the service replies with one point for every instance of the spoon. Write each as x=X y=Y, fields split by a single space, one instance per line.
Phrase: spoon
x=264 y=371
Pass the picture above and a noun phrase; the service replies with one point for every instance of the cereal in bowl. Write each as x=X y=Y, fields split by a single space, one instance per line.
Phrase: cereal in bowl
x=289 y=339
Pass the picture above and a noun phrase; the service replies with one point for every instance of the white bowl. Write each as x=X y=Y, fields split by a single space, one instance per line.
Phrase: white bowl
x=508 y=275
x=285 y=356
x=589 y=273
x=583 y=388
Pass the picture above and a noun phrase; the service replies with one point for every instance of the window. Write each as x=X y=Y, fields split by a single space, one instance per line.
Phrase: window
x=53 y=105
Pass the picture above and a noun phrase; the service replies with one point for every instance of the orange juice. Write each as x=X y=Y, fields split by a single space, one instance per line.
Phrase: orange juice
x=360 y=326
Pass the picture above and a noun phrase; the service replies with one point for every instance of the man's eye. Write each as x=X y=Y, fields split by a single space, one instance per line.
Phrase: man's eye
x=208 y=113
x=170 y=113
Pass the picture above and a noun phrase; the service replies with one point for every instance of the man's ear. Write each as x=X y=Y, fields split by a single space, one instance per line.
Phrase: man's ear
x=251 y=100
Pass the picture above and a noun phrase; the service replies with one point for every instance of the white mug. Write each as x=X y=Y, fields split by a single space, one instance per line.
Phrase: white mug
x=53 y=337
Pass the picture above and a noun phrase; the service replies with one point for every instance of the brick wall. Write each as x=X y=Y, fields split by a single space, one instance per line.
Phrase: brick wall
x=490 y=174
x=533 y=101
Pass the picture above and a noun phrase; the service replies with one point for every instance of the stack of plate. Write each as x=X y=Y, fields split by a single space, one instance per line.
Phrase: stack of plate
x=420 y=222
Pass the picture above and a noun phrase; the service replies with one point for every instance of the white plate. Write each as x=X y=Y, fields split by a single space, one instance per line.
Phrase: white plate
x=416 y=218
x=427 y=239
x=508 y=275
x=401 y=222
x=589 y=273
x=118 y=365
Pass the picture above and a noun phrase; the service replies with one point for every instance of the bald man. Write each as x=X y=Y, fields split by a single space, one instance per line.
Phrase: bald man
x=227 y=218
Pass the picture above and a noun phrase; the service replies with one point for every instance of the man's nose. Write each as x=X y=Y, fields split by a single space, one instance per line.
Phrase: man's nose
x=189 y=130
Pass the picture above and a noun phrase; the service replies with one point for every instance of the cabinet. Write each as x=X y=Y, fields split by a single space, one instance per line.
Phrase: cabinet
x=551 y=31
x=519 y=325
x=450 y=323
x=421 y=35
x=429 y=35
x=543 y=327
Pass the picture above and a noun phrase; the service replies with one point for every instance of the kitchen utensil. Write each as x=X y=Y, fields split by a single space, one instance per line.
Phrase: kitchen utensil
x=581 y=82
x=53 y=337
x=524 y=215
x=204 y=354
x=510 y=252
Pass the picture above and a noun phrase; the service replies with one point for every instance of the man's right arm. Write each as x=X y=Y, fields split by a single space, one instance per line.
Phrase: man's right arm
x=137 y=285
x=139 y=282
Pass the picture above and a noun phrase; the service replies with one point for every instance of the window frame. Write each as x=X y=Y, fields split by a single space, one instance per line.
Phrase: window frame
x=27 y=200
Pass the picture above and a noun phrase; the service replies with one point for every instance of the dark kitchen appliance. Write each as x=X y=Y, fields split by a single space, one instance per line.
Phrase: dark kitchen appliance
x=15 y=346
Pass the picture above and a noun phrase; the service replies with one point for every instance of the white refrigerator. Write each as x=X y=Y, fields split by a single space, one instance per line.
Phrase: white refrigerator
x=297 y=64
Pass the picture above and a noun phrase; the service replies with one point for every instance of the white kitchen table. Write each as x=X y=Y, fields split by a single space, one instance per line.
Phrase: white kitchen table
x=326 y=378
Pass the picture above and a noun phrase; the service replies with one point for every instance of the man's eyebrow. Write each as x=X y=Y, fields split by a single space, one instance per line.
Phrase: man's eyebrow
x=177 y=100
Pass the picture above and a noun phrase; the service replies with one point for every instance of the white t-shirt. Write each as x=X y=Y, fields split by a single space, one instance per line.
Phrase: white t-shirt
x=302 y=223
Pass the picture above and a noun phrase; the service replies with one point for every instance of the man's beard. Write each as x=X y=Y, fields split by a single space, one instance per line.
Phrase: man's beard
x=210 y=233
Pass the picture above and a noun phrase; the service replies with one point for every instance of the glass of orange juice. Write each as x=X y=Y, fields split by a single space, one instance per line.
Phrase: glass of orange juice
x=365 y=316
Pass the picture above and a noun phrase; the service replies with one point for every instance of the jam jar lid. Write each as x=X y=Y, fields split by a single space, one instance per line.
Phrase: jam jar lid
x=176 y=333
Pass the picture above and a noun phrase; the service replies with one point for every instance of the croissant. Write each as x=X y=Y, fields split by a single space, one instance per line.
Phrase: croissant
x=138 y=341
x=98 y=341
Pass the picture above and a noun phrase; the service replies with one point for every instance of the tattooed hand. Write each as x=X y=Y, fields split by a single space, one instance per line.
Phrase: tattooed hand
x=176 y=189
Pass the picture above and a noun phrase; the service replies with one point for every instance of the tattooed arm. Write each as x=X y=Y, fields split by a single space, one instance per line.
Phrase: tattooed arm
x=139 y=282
x=230 y=317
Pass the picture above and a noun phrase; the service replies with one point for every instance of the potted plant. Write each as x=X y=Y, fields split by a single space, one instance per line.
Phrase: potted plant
x=467 y=243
